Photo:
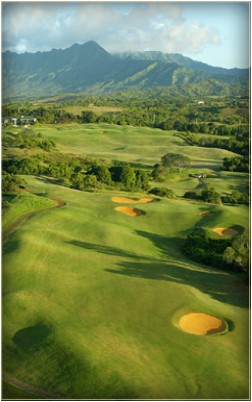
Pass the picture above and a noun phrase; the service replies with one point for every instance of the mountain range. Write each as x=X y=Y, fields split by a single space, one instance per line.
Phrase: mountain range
x=90 y=68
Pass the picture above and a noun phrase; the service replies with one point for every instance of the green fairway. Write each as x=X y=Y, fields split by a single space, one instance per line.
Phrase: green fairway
x=92 y=297
x=130 y=144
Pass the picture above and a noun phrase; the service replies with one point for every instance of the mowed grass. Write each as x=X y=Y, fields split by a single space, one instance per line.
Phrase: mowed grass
x=130 y=144
x=92 y=297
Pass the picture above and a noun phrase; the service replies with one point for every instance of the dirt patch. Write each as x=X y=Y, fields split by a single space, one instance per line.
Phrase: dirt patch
x=125 y=200
x=225 y=231
x=201 y=324
x=205 y=213
x=130 y=211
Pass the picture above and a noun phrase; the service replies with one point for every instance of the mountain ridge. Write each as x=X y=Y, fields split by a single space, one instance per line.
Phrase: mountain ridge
x=89 y=67
x=180 y=59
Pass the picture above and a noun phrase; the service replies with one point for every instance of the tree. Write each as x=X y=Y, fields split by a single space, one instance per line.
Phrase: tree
x=175 y=161
x=116 y=172
x=162 y=192
x=210 y=195
x=90 y=182
x=158 y=173
x=142 y=180
x=88 y=117
x=11 y=182
x=101 y=172
x=128 y=177
x=78 y=181
x=47 y=145
x=236 y=197
x=237 y=255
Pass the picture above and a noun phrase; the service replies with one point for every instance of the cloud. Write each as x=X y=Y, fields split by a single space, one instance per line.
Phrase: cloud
x=117 y=27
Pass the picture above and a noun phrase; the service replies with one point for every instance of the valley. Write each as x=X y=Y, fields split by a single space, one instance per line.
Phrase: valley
x=103 y=253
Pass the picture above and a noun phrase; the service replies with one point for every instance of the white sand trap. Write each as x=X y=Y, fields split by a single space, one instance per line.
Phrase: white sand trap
x=225 y=231
x=201 y=324
x=130 y=211
x=125 y=200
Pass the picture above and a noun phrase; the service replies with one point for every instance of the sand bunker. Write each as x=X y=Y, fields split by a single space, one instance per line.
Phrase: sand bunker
x=205 y=213
x=130 y=211
x=225 y=231
x=201 y=324
x=125 y=200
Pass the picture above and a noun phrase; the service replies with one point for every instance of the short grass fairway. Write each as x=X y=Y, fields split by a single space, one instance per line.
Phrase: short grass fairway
x=92 y=299
x=127 y=143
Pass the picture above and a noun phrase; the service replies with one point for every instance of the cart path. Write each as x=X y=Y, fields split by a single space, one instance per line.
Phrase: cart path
x=28 y=388
x=13 y=226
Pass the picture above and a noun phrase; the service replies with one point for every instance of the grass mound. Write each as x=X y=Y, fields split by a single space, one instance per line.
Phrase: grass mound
x=130 y=211
x=201 y=324
x=21 y=204
x=126 y=200
x=225 y=231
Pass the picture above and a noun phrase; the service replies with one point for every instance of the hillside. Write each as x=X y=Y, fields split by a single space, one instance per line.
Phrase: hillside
x=182 y=61
x=97 y=287
x=90 y=68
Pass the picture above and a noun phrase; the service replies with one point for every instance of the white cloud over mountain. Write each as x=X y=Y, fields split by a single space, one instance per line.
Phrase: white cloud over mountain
x=40 y=26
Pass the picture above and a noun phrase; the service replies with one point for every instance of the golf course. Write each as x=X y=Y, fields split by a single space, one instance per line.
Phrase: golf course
x=99 y=301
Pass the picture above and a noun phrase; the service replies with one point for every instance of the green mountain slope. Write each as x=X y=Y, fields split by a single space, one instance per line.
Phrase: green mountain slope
x=90 y=68
x=181 y=61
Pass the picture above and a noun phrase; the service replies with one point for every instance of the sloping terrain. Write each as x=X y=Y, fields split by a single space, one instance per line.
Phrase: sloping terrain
x=93 y=298
x=90 y=68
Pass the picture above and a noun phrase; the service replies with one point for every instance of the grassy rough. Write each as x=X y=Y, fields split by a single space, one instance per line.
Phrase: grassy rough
x=21 y=203
x=11 y=392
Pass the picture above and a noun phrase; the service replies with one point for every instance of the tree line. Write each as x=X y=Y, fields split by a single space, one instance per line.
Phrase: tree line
x=28 y=139
x=210 y=195
x=230 y=254
x=78 y=173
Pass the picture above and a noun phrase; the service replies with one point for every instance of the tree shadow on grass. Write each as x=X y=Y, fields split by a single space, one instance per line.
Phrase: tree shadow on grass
x=173 y=267
x=32 y=338
x=10 y=246
x=106 y=249
x=217 y=285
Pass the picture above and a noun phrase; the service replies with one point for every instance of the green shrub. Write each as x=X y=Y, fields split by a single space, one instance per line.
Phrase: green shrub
x=162 y=192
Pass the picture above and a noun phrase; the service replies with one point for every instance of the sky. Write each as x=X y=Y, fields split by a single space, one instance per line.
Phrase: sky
x=216 y=33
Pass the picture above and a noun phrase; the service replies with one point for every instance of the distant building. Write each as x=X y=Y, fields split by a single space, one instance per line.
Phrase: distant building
x=9 y=121
x=15 y=121
x=26 y=120
x=198 y=175
x=201 y=102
